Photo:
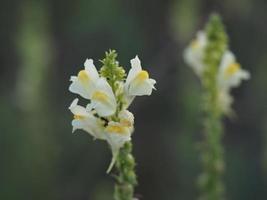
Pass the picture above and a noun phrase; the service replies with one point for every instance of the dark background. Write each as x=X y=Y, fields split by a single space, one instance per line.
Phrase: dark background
x=44 y=42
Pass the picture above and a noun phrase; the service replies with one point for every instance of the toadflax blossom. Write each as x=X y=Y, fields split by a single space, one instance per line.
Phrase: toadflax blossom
x=194 y=54
x=105 y=116
x=84 y=119
x=84 y=83
x=138 y=82
x=230 y=73
x=119 y=132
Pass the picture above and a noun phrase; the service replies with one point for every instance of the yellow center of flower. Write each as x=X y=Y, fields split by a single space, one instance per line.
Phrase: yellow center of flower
x=142 y=75
x=232 y=69
x=79 y=117
x=195 y=44
x=116 y=129
x=100 y=96
x=83 y=76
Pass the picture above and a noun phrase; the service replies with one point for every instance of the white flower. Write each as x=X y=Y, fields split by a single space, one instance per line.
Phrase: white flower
x=194 y=54
x=103 y=99
x=117 y=134
x=230 y=73
x=84 y=83
x=138 y=82
x=85 y=120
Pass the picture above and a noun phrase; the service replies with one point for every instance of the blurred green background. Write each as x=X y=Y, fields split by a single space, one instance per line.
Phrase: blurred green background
x=44 y=42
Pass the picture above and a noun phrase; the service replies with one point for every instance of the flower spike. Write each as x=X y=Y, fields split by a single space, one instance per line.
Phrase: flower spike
x=105 y=116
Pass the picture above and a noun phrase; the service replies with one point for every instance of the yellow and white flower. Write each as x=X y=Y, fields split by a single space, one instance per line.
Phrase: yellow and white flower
x=230 y=72
x=117 y=133
x=103 y=99
x=120 y=132
x=194 y=54
x=138 y=82
x=84 y=83
x=84 y=119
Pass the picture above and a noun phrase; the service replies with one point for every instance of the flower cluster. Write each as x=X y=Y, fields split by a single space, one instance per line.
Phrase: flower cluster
x=230 y=74
x=106 y=116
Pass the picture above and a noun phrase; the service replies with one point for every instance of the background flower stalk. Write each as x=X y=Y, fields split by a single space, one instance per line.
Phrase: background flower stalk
x=208 y=55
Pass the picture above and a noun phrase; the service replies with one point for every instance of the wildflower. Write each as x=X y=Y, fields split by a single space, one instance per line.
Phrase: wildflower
x=105 y=116
x=84 y=119
x=84 y=83
x=117 y=134
x=138 y=82
x=194 y=54
x=230 y=73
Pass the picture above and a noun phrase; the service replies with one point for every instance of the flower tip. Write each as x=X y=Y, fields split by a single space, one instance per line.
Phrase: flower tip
x=111 y=164
x=247 y=75
x=88 y=62
x=135 y=62
x=74 y=103
x=74 y=129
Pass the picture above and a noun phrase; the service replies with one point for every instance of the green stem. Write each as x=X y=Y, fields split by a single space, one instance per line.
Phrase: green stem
x=210 y=181
x=212 y=154
x=126 y=178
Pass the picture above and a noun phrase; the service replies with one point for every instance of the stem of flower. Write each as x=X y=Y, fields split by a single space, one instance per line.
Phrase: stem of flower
x=210 y=181
x=125 y=163
x=126 y=178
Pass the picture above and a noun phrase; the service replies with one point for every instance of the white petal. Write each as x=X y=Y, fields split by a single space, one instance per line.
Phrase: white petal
x=77 y=88
x=77 y=109
x=202 y=38
x=85 y=81
x=136 y=63
x=126 y=118
x=227 y=58
x=91 y=125
x=193 y=55
x=117 y=136
x=141 y=88
x=85 y=120
x=103 y=99
x=194 y=60
x=236 y=80
x=91 y=69
x=135 y=69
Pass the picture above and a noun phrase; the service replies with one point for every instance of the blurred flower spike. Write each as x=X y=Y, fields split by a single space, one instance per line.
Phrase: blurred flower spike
x=229 y=72
x=106 y=117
